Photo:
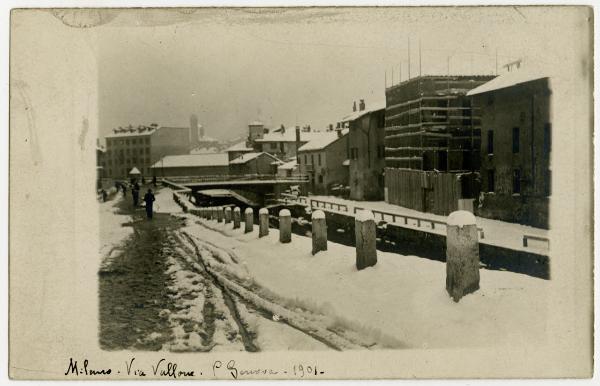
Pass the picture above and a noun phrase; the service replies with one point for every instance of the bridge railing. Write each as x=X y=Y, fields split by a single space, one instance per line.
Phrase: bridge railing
x=238 y=177
x=384 y=216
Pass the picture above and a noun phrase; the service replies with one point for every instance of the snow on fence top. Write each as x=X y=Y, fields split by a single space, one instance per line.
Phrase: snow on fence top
x=263 y=211
x=248 y=210
x=461 y=218
x=284 y=213
x=364 y=215
x=317 y=214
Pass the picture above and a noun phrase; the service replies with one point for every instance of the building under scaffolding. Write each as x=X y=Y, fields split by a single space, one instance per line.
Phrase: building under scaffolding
x=432 y=142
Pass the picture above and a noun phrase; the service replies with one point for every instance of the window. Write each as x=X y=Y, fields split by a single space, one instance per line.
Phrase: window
x=490 y=142
x=147 y=150
x=517 y=181
x=547 y=138
x=515 y=140
x=354 y=153
x=305 y=159
x=147 y=141
x=273 y=145
x=491 y=180
x=134 y=141
x=320 y=179
x=319 y=157
x=127 y=151
x=381 y=151
x=312 y=159
x=127 y=142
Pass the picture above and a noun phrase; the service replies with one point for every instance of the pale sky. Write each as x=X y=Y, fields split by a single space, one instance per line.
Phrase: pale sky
x=295 y=66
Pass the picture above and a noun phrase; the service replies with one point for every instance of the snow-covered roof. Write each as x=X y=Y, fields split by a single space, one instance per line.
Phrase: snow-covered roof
x=206 y=138
x=241 y=146
x=134 y=171
x=321 y=143
x=289 y=135
x=204 y=150
x=509 y=79
x=290 y=165
x=249 y=157
x=192 y=160
x=357 y=114
x=133 y=131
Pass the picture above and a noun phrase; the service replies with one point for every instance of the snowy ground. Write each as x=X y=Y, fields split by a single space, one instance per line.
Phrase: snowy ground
x=500 y=233
x=112 y=232
x=401 y=302
x=222 y=290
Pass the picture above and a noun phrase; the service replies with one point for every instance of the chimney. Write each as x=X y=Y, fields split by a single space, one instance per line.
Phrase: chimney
x=339 y=124
x=361 y=105
x=339 y=133
x=331 y=127
x=297 y=144
x=354 y=106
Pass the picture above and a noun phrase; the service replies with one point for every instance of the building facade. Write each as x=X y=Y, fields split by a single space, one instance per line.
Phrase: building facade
x=254 y=163
x=432 y=142
x=516 y=143
x=238 y=149
x=366 y=149
x=323 y=161
x=141 y=147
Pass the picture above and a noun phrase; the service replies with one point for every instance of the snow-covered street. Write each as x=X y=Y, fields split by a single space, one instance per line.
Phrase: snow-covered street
x=183 y=283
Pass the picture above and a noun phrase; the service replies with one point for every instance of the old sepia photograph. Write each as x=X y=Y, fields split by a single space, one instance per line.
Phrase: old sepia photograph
x=291 y=193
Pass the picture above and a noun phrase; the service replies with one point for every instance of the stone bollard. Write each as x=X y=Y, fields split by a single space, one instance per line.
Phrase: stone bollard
x=285 y=226
x=462 y=254
x=236 y=218
x=263 y=222
x=205 y=212
x=249 y=223
x=227 y=215
x=214 y=213
x=209 y=213
x=365 y=232
x=219 y=214
x=319 y=232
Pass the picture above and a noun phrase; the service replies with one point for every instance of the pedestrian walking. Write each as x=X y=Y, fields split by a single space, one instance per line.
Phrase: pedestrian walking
x=143 y=181
x=135 y=192
x=149 y=200
x=124 y=186
x=104 y=195
x=154 y=181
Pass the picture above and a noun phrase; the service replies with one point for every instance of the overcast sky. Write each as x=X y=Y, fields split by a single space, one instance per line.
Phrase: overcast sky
x=295 y=66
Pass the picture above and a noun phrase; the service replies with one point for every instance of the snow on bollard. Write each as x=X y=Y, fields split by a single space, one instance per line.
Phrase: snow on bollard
x=219 y=214
x=249 y=217
x=227 y=215
x=462 y=255
x=285 y=226
x=319 y=232
x=365 y=232
x=263 y=222
x=236 y=217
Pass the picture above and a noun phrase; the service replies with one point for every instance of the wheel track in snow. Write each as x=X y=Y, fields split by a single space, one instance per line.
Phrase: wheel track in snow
x=246 y=335
x=334 y=338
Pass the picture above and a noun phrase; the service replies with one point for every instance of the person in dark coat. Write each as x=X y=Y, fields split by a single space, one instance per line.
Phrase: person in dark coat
x=154 y=181
x=104 y=195
x=149 y=199
x=124 y=186
x=135 y=192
